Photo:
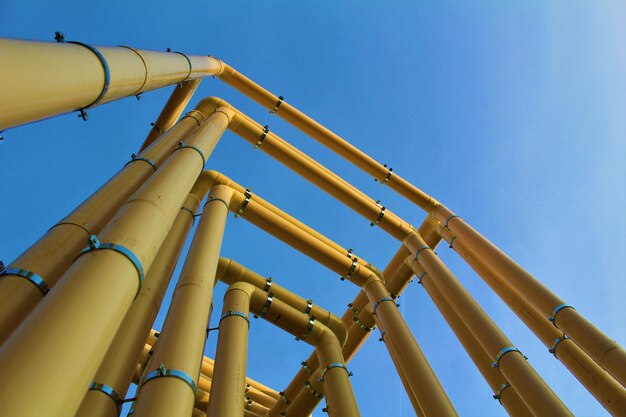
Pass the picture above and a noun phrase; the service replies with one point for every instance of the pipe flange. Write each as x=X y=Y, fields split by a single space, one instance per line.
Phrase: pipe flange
x=28 y=275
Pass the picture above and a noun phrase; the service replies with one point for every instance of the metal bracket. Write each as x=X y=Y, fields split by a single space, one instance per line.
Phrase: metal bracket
x=552 y=318
x=382 y=336
x=352 y=308
x=277 y=106
x=108 y=391
x=30 y=276
x=161 y=371
x=380 y=215
x=268 y=284
x=309 y=306
x=59 y=37
x=498 y=395
x=181 y=145
x=362 y=326
x=305 y=365
x=382 y=300
x=331 y=366
x=417 y=254
x=83 y=114
x=154 y=126
x=308 y=330
x=134 y=158
x=259 y=142
x=387 y=178
x=558 y=340
x=454 y=216
x=503 y=352
x=246 y=201
x=230 y=313
x=266 y=306
x=94 y=244
x=355 y=261
x=283 y=397
x=312 y=391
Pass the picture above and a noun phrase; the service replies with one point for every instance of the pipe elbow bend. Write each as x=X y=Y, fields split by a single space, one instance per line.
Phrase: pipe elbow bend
x=208 y=105
x=245 y=287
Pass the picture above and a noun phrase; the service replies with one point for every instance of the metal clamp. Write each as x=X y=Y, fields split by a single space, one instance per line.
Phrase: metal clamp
x=234 y=313
x=268 y=284
x=331 y=366
x=387 y=178
x=309 y=306
x=246 y=201
x=283 y=397
x=266 y=130
x=94 y=244
x=503 y=352
x=277 y=106
x=305 y=366
x=308 y=330
x=352 y=308
x=188 y=61
x=108 y=391
x=155 y=127
x=552 y=318
x=248 y=403
x=454 y=216
x=312 y=391
x=181 y=145
x=382 y=300
x=134 y=158
x=558 y=340
x=382 y=336
x=107 y=77
x=161 y=371
x=355 y=261
x=30 y=276
x=419 y=279
x=190 y=211
x=381 y=215
x=417 y=254
x=266 y=306
x=451 y=245
x=362 y=326
x=350 y=253
x=247 y=389
x=498 y=395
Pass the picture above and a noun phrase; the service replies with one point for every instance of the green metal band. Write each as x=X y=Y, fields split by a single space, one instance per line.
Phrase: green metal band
x=181 y=145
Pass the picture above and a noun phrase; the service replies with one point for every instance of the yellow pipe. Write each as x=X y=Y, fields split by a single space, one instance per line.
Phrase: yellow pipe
x=184 y=333
x=505 y=394
x=256 y=387
x=95 y=293
x=53 y=254
x=531 y=388
x=230 y=272
x=602 y=349
x=78 y=76
x=172 y=110
x=117 y=368
x=599 y=383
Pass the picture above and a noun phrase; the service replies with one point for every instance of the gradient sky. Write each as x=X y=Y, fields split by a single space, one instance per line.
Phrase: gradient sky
x=513 y=114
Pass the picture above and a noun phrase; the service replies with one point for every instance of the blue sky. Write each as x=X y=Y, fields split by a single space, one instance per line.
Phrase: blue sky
x=512 y=114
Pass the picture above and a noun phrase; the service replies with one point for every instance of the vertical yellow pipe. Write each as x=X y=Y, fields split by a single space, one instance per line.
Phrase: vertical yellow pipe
x=53 y=254
x=43 y=79
x=172 y=110
x=228 y=387
x=118 y=366
x=600 y=384
x=531 y=388
x=88 y=305
x=602 y=349
x=181 y=343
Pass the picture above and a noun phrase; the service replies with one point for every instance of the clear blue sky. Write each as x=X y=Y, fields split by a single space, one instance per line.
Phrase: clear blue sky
x=511 y=113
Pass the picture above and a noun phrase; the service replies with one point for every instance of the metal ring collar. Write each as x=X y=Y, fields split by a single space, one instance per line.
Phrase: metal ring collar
x=234 y=313
x=382 y=300
x=266 y=306
x=145 y=78
x=312 y=391
x=552 y=318
x=558 y=340
x=419 y=279
x=108 y=391
x=380 y=215
x=268 y=284
x=94 y=244
x=362 y=326
x=308 y=330
x=417 y=253
x=503 y=352
x=161 y=371
x=451 y=245
x=387 y=178
x=305 y=366
x=244 y=204
x=331 y=366
x=134 y=158
x=498 y=395
x=309 y=306
x=454 y=216
x=355 y=260
x=283 y=397
x=188 y=61
x=259 y=142
x=181 y=145
x=107 y=73
x=277 y=106
x=352 y=308
x=30 y=276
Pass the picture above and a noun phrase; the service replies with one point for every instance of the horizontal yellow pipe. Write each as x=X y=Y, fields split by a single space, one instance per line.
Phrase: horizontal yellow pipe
x=43 y=79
